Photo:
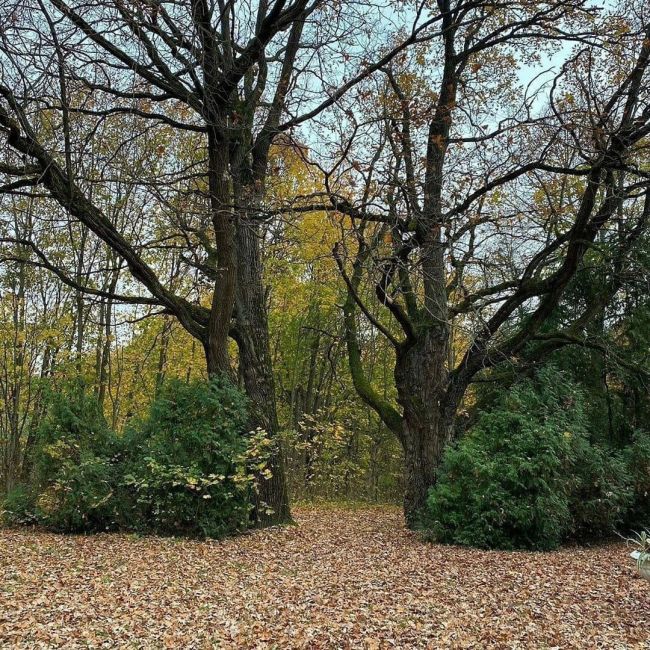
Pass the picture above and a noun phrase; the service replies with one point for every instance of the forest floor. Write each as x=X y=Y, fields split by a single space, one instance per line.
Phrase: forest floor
x=340 y=578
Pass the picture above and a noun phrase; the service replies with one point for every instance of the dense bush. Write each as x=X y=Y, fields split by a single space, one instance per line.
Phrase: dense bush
x=187 y=468
x=527 y=476
x=81 y=497
x=637 y=459
x=73 y=428
x=74 y=472
x=17 y=507
x=502 y=486
x=600 y=492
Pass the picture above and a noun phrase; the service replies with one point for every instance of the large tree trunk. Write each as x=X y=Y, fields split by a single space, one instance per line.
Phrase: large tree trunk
x=223 y=294
x=421 y=380
x=256 y=370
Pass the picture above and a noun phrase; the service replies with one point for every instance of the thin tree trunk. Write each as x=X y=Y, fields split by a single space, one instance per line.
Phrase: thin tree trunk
x=162 y=355
x=105 y=339
x=19 y=373
x=38 y=413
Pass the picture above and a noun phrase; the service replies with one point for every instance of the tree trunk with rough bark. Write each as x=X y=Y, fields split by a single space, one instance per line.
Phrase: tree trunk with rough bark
x=272 y=502
x=215 y=342
x=421 y=381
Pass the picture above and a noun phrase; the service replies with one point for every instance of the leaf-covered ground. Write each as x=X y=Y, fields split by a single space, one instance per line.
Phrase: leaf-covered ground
x=339 y=579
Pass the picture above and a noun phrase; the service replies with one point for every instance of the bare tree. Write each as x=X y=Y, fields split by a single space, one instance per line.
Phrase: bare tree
x=218 y=80
x=468 y=204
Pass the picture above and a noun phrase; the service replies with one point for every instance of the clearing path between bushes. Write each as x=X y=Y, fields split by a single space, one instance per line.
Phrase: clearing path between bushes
x=339 y=579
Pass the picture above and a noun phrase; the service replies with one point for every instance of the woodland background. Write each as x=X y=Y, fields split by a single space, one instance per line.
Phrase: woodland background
x=410 y=235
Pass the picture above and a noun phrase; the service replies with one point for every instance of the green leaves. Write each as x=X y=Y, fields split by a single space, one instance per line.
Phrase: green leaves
x=527 y=475
x=189 y=467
